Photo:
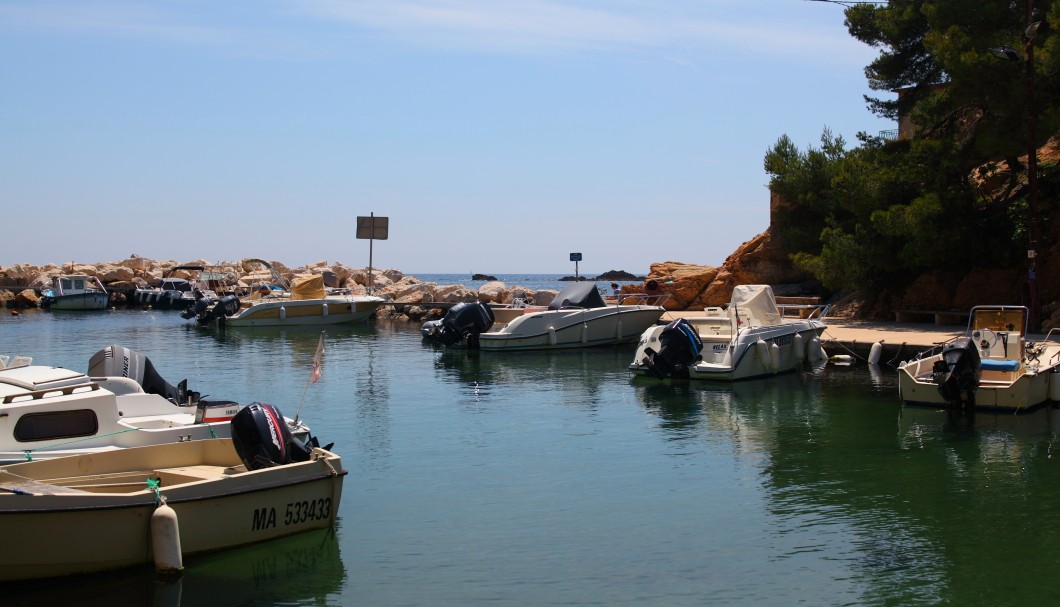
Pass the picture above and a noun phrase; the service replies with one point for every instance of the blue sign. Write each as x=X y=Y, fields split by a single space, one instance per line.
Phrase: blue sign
x=575 y=256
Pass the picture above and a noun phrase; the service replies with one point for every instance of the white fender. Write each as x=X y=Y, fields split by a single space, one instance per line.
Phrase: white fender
x=324 y=310
x=875 y=352
x=799 y=347
x=585 y=333
x=814 y=351
x=762 y=351
x=774 y=358
x=165 y=540
x=552 y=336
x=283 y=313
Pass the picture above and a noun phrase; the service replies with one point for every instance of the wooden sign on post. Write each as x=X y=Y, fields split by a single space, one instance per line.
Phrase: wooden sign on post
x=372 y=228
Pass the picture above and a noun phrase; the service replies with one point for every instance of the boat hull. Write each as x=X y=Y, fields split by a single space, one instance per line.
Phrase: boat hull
x=996 y=390
x=565 y=329
x=308 y=312
x=102 y=528
x=740 y=357
x=79 y=301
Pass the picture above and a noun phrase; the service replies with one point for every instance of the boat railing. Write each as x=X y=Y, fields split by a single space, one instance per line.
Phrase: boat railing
x=638 y=299
x=804 y=311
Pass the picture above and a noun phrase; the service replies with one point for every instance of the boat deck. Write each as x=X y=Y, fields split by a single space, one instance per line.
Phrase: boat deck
x=130 y=481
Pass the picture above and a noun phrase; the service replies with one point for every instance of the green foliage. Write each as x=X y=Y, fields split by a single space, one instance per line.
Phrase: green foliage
x=875 y=216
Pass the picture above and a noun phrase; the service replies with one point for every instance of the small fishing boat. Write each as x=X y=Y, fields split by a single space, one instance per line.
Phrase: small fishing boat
x=993 y=366
x=101 y=511
x=751 y=338
x=307 y=302
x=578 y=317
x=48 y=412
x=75 y=292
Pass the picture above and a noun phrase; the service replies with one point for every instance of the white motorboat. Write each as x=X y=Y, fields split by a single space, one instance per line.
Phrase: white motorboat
x=751 y=338
x=122 y=401
x=577 y=318
x=100 y=511
x=993 y=366
x=306 y=303
x=75 y=292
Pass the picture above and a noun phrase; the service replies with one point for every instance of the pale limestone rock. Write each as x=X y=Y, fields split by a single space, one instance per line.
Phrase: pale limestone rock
x=492 y=292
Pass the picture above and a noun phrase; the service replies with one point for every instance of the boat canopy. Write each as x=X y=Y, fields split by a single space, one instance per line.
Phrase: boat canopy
x=756 y=303
x=308 y=287
x=578 y=295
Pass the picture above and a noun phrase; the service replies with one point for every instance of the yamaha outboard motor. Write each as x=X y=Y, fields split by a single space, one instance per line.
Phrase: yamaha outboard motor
x=118 y=361
x=679 y=347
x=958 y=372
x=262 y=439
x=464 y=320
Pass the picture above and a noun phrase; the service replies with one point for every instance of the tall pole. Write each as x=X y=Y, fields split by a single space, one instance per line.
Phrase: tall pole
x=1032 y=171
x=371 y=241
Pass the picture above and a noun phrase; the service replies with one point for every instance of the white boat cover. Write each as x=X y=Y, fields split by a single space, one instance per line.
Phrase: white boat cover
x=756 y=303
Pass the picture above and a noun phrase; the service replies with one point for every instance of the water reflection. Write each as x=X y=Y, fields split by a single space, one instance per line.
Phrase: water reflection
x=301 y=569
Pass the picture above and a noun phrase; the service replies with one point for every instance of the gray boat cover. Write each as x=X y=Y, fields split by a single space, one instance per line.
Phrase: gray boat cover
x=578 y=295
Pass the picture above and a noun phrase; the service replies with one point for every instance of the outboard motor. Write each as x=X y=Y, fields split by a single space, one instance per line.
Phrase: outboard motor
x=464 y=320
x=679 y=347
x=202 y=303
x=958 y=372
x=262 y=439
x=226 y=306
x=118 y=361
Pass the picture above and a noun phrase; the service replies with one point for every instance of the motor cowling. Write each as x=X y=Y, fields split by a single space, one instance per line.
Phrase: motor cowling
x=226 y=306
x=957 y=373
x=463 y=320
x=679 y=347
x=119 y=361
x=262 y=439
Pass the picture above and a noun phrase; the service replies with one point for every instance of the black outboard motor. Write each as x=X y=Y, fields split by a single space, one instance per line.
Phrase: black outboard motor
x=464 y=320
x=118 y=361
x=226 y=306
x=202 y=303
x=262 y=439
x=679 y=347
x=958 y=372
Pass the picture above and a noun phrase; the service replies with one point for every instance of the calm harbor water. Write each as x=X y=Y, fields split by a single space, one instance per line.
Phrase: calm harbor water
x=539 y=478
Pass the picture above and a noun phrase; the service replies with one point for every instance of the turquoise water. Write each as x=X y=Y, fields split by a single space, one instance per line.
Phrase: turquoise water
x=538 y=478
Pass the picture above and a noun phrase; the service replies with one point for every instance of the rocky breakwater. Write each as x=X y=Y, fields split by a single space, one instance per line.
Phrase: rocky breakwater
x=412 y=297
x=760 y=260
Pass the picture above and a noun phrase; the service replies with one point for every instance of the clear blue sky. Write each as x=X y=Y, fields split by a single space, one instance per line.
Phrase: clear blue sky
x=497 y=136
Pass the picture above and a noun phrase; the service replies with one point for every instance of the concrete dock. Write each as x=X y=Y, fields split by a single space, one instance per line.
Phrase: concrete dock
x=901 y=341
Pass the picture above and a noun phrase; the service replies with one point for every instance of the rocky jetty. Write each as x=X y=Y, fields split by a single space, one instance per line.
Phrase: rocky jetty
x=23 y=282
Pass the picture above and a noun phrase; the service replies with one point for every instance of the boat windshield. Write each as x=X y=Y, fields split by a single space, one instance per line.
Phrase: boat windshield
x=999 y=319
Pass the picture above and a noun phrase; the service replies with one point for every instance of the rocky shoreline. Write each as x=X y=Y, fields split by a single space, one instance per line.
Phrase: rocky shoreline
x=690 y=286
x=21 y=284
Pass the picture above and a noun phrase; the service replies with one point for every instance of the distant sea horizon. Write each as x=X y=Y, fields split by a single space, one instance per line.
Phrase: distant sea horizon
x=535 y=282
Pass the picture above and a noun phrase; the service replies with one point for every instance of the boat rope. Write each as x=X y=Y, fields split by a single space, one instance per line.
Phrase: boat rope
x=155 y=484
x=894 y=361
x=833 y=340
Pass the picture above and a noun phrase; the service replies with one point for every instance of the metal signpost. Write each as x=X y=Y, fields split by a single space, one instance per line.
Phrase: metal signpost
x=575 y=257
x=372 y=228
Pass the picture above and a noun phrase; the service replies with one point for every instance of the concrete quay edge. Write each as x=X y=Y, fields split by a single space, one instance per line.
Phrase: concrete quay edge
x=901 y=341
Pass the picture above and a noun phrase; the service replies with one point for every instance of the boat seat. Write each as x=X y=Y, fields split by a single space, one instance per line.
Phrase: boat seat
x=13 y=483
x=1005 y=364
